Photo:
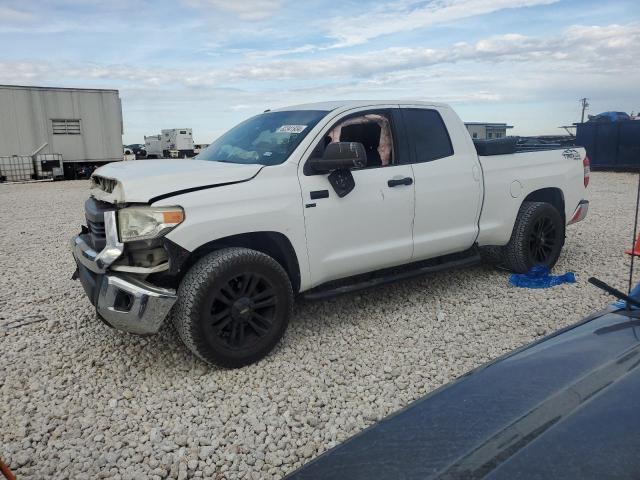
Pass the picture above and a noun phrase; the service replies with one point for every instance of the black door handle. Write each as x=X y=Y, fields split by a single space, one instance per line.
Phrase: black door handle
x=400 y=181
x=317 y=194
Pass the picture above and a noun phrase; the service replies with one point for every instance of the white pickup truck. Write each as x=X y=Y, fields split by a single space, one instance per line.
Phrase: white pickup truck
x=313 y=200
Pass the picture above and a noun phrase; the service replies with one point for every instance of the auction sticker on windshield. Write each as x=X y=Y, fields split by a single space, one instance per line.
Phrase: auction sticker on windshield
x=291 y=128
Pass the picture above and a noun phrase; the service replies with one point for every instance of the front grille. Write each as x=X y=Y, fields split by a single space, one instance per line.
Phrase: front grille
x=94 y=213
x=103 y=183
x=96 y=228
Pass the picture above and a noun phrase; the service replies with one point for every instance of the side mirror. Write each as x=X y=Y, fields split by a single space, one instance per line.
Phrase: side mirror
x=340 y=156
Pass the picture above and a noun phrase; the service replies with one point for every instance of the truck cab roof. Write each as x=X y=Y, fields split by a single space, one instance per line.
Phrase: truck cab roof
x=346 y=104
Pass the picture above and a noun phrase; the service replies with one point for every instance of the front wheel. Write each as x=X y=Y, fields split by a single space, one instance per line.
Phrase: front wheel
x=537 y=238
x=233 y=306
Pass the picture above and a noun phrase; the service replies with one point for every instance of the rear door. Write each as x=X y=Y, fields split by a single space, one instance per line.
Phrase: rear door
x=448 y=182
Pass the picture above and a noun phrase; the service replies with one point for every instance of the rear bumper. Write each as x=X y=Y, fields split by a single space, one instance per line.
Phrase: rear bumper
x=580 y=212
x=124 y=302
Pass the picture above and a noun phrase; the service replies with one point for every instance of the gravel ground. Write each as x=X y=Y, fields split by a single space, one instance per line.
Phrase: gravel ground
x=80 y=400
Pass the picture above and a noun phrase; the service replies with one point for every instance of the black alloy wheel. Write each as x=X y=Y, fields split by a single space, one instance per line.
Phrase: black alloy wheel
x=537 y=238
x=233 y=306
x=542 y=240
x=242 y=310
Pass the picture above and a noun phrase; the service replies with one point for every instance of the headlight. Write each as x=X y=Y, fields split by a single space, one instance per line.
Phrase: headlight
x=143 y=223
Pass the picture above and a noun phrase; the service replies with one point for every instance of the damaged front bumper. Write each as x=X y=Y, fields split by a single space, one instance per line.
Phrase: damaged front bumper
x=123 y=301
x=132 y=305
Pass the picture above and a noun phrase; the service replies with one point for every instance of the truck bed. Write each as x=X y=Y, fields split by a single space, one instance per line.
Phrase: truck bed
x=509 y=145
x=553 y=172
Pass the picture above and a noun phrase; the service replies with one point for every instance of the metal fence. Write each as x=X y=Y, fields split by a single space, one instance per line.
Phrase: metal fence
x=16 y=168
x=20 y=168
x=611 y=145
x=49 y=165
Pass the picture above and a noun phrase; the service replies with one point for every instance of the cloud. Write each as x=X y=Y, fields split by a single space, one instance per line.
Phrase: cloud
x=580 y=49
x=240 y=106
x=601 y=62
x=614 y=47
x=251 y=10
x=258 y=54
x=10 y=15
x=405 y=16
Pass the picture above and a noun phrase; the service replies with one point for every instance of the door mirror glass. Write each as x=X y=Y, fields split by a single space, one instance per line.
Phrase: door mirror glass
x=340 y=156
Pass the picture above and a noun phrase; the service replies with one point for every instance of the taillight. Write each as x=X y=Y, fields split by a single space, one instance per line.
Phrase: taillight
x=587 y=170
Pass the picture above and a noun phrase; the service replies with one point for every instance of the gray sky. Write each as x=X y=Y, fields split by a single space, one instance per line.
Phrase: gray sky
x=207 y=64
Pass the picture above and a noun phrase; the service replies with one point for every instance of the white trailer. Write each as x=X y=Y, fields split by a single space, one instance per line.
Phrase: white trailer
x=178 y=141
x=84 y=125
x=153 y=146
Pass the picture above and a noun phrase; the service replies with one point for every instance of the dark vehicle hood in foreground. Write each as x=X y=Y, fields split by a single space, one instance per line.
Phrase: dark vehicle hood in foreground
x=567 y=406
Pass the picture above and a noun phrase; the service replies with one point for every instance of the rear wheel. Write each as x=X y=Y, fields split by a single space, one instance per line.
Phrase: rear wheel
x=537 y=238
x=233 y=306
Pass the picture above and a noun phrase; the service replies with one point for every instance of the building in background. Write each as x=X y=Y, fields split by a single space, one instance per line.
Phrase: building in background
x=82 y=125
x=486 y=131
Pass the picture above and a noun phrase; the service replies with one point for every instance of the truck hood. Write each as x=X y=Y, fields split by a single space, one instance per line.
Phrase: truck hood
x=143 y=181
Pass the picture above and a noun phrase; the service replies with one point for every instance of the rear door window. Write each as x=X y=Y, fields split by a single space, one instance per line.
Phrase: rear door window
x=427 y=135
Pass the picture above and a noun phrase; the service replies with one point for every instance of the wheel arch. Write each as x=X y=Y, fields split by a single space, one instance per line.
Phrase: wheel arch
x=274 y=244
x=552 y=195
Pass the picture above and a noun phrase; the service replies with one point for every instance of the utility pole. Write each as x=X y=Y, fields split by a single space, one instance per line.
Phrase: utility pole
x=585 y=105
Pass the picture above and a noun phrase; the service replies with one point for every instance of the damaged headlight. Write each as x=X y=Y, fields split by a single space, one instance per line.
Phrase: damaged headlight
x=143 y=223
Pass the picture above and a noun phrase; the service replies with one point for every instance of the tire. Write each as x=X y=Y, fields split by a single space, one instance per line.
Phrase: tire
x=233 y=307
x=537 y=238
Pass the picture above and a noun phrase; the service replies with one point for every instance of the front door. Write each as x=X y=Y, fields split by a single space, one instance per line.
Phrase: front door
x=371 y=227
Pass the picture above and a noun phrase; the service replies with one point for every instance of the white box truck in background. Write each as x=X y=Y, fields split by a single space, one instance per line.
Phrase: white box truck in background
x=177 y=142
x=153 y=146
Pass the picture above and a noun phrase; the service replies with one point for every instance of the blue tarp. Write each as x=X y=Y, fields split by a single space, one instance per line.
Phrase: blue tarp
x=540 y=277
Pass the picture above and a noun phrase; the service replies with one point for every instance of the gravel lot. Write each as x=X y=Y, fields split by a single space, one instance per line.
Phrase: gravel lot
x=80 y=400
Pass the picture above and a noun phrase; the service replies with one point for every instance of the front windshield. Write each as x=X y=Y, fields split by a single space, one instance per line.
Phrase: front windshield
x=266 y=139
